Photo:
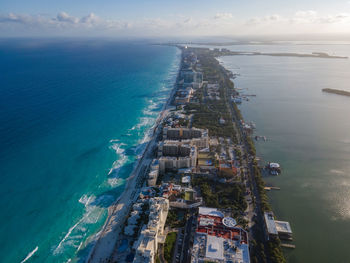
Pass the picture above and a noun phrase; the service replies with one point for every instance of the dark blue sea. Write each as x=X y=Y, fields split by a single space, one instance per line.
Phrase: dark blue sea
x=74 y=116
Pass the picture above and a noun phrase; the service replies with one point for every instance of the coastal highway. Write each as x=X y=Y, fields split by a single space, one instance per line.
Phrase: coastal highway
x=256 y=211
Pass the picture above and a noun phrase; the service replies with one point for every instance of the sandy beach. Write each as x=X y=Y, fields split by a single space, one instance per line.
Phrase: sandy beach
x=117 y=213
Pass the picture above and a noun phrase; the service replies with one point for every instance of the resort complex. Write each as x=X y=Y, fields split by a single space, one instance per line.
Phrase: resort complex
x=196 y=194
x=218 y=239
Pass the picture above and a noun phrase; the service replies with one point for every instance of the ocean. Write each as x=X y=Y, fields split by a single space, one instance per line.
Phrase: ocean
x=74 y=114
x=308 y=134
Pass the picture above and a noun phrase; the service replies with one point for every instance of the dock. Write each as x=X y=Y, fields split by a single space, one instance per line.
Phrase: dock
x=269 y=188
x=288 y=245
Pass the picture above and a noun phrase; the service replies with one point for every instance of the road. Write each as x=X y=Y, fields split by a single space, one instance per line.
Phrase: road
x=186 y=257
x=254 y=212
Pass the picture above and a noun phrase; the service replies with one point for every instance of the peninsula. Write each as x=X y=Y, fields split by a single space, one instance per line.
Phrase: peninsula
x=197 y=192
x=225 y=52
x=337 y=91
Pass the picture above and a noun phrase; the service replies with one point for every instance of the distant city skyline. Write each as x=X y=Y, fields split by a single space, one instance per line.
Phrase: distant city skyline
x=155 y=18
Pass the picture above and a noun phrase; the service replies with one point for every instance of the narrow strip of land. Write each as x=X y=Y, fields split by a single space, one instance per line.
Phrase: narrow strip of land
x=337 y=91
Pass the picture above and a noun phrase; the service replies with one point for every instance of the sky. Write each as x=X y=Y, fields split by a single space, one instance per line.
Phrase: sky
x=168 y=18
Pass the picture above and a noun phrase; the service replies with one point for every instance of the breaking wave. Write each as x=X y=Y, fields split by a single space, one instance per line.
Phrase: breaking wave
x=95 y=207
x=30 y=254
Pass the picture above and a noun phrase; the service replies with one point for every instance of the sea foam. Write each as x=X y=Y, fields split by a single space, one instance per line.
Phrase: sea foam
x=30 y=254
x=94 y=207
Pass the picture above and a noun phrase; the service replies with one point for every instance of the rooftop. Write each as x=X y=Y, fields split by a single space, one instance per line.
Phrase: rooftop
x=270 y=223
x=229 y=222
x=210 y=212
x=186 y=179
x=283 y=227
x=215 y=248
x=274 y=165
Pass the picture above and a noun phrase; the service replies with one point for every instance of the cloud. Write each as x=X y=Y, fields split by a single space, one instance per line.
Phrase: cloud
x=312 y=17
x=339 y=18
x=308 y=16
x=90 y=19
x=64 y=17
x=17 y=18
x=301 y=22
x=223 y=16
x=270 y=19
x=62 y=21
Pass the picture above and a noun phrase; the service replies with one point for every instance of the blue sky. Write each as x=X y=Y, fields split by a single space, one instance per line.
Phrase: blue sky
x=173 y=18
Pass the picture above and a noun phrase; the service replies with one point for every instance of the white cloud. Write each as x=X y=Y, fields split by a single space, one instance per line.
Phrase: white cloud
x=20 y=19
x=308 y=16
x=264 y=20
x=223 y=16
x=302 y=22
x=90 y=19
x=64 y=17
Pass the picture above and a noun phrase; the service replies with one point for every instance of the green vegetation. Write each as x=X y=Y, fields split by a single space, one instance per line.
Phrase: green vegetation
x=271 y=250
x=251 y=147
x=206 y=115
x=227 y=174
x=176 y=218
x=275 y=251
x=265 y=206
x=221 y=195
x=169 y=246
x=183 y=122
x=157 y=256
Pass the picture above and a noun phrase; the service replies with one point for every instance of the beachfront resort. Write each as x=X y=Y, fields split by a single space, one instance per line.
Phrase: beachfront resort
x=199 y=196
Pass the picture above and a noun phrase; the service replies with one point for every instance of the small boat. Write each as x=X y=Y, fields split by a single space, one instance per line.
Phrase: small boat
x=273 y=168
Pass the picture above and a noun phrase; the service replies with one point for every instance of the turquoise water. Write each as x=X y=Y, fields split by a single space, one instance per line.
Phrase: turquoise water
x=74 y=115
x=308 y=134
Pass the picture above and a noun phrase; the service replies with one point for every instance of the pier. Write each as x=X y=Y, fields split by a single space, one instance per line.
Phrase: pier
x=288 y=245
x=269 y=188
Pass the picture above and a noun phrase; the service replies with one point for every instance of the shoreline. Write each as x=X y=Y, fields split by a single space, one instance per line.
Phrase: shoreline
x=298 y=175
x=271 y=250
x=337 y=92
x=107 y=237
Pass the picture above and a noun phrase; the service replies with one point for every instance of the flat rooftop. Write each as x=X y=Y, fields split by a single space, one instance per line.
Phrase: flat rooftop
x=214 y=248
x=270 y=223
x=283 y=227
x=207 y=248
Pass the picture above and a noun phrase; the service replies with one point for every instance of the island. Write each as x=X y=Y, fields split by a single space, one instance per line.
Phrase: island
x=337 y=91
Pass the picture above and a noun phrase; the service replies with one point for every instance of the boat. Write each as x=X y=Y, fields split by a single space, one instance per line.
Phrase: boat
x=237 y=100
x=273 y=168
